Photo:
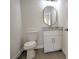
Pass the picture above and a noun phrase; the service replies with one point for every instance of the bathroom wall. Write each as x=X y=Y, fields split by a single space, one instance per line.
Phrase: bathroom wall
x=16 y=40
x=65 y=43
x=32 y=17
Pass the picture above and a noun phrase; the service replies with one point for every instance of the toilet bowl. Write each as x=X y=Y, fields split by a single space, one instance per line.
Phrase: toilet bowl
x=29 y=46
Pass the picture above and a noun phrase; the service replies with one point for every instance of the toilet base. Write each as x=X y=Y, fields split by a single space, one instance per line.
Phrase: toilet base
x=30 y=54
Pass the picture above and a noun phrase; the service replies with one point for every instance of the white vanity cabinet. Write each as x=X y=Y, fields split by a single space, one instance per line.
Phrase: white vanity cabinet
x=52 y=40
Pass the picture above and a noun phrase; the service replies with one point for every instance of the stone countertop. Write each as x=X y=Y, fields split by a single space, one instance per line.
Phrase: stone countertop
x=52 y=28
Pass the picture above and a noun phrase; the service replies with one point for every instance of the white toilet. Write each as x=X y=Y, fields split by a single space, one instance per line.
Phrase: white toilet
x=31 y=44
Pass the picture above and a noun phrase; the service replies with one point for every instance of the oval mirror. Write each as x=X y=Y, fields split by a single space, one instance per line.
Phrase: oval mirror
x=50 y=15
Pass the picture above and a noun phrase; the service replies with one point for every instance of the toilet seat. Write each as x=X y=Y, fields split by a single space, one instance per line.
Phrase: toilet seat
x=29 y=45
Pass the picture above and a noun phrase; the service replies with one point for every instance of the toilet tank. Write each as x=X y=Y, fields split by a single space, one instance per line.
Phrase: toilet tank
x=31 y=36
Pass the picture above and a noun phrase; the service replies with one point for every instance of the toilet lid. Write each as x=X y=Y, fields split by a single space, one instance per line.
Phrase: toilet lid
x=30 y=43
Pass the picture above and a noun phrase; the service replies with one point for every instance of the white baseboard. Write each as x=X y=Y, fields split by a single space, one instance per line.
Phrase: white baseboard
x=18 y=54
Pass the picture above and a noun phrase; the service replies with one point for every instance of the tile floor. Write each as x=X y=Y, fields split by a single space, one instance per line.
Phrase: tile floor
x=41 y=55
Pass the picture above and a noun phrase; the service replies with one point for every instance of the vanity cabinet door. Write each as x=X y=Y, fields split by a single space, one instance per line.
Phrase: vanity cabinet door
x=48 y=45
x=57 y=43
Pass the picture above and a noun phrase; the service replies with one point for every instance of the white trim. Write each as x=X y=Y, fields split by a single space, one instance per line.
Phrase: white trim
x=18 y=54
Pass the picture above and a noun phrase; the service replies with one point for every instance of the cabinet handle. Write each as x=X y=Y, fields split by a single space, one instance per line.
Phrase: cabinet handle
x=53 y=40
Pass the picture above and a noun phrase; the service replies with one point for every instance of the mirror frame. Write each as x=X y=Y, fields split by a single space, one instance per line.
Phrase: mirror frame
x=56 y=15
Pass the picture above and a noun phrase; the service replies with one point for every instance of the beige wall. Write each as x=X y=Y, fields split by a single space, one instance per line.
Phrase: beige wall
x=32 y=15
x=16 y=29
x=65 y=43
